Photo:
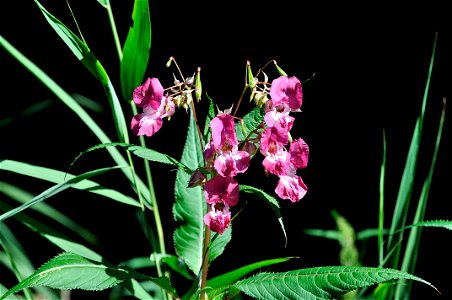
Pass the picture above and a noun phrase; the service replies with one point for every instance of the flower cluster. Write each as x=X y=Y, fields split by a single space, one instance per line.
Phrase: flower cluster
x=286 y=96
x=225 y=160
x=224 y=155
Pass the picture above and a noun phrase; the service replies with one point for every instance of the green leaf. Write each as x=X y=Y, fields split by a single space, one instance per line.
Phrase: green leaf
x=210 y=115
x=270 y=200
x=55 y=176
x=190 y=205
x=233 y=276
x=251 y=122
x=84 y=54
x=433 y=223
x=136 y=49
x=54 y=190
x=70 y=271
x=142 y=152
x=80 y=112
x=219 y=242
x=318 y=283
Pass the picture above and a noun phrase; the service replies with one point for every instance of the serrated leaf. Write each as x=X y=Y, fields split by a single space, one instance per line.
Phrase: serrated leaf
x=210 y=115
x=136 y=49
x=142 y=152
x=233 y=276
x=219 y=242
x=190 y=204
x=433 y=223
x=251 y=122
x=70 y=271
x=318 y=283
x=270 y=200
x=55 y=190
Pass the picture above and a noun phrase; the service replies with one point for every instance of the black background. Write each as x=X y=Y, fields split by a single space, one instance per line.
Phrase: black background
x=370 y=65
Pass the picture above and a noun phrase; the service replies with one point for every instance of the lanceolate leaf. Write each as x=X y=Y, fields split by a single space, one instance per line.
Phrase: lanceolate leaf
x=54 y=190
x=219 y=242
x=233 y=276
x=318 y=283
x=142 y=152
x=71 y=271
x=56 y=176
x=434 y=223
x=80 y=112
x=190 y=205
x=136 y=49
x=84 y=54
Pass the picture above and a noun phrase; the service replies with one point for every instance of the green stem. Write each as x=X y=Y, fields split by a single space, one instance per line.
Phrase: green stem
x=114 y=31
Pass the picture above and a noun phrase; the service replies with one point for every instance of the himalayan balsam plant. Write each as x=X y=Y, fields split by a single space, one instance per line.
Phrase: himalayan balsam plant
x=218 y=147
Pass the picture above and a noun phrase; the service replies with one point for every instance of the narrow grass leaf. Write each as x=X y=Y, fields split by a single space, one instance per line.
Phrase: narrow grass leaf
x=84 y=54
x=22 y=196
x=413 y=243
x=233 y=276
x=318 y=283
x=80 y=112
x=136 y=49
x=53 y=191
x=406 y=185
x=56 y=176
x=190 y=204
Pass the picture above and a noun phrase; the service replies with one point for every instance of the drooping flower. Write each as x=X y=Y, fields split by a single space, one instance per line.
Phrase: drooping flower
x=230 y=163
x=223 y=132
x=218 y=218
x=299 y=153
x=222 y=190
x=149 y=93
x=286 y=91
x=291 y=188
x=277 y=163
x=155 y=105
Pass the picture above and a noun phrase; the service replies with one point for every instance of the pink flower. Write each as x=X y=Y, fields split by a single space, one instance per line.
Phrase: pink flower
x=223 y=132
x=222 y=190
x=272 y=140
x=286 y=91
x=231 y=163
x=149 y=93
x=150 y=121
x=281 y=121
x=299 y=152
x=278 y=163
x=291 y=188
x=218 y=218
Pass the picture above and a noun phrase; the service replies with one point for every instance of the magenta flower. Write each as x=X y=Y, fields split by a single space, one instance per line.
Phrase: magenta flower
x=151 y=120
x=218 y=218
x=149 y=93
x=278 y=163
x=291 y=188
x=222 y=190
x=223 y=132
x=272 y=140
x=231 y=163
x=286 y=91
x=299 y=152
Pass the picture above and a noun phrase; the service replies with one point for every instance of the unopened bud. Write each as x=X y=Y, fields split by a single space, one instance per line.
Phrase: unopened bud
x=251 y=80
x=168 y=63
x=279 y=69
x=260 y=98
x=198 y=85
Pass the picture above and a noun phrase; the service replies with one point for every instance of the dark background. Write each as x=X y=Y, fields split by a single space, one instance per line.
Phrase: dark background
x=370 y=65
